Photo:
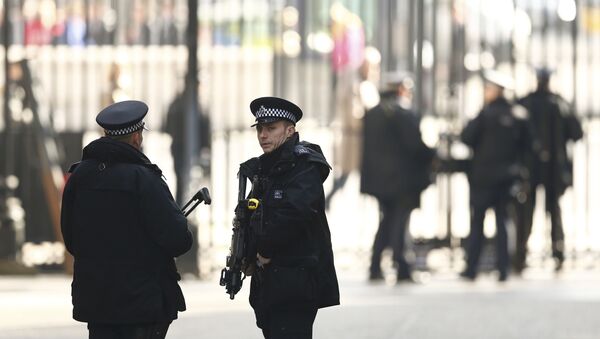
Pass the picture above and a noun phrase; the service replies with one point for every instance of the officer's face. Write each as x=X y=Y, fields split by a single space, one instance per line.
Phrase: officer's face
x=137 y=139
x=273 y=134
x=491 y=92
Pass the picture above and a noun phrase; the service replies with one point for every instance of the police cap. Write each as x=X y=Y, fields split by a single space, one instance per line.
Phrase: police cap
x=270 y=109
x=498 y=78
x=394 y=79
x=123 y=117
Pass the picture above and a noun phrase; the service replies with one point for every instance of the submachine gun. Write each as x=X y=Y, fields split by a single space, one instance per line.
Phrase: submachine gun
x=242 y=253
x=200 y=196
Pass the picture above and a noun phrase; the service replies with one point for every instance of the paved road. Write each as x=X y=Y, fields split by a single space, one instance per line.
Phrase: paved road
x=539 y=305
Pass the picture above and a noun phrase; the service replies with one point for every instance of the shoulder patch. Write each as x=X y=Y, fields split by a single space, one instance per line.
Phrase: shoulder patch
x=300 y=150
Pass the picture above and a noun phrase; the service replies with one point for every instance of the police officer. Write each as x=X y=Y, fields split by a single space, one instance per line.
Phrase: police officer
x=395 y=169
x=121 y=225
x=553 y=126
x=295 y=274
x=497 y=137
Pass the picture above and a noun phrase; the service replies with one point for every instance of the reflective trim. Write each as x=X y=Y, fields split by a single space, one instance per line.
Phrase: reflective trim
x=126 y=130
x=275 y=113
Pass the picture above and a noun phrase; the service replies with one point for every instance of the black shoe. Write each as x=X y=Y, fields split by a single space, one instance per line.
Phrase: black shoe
x=559 y=257
x=503 y=277
x=403 y=278
x=518 y=268
x=466 y=275
x=559 y=264
x=376 y=276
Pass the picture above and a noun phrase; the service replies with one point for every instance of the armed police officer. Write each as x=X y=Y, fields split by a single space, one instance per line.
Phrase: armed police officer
x=295 y=274
x=554 y=125
x=498 y=136
x=123 y=228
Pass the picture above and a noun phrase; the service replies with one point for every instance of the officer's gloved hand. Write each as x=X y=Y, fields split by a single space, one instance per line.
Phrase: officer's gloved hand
x=262 y=260
x=249 y=269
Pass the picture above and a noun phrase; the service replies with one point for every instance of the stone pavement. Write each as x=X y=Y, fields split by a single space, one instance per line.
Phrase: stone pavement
x=537 y=305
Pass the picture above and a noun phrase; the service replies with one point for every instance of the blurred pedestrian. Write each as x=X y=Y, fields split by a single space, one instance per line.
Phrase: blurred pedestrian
x=76 y=25
x=554 y=125
x=165 y=24
x=175 y=125
x=100 y=29
x=137 y=27
x=296 y=274
x=347 y=58
x=395 y=169
x=123 y=228
x=497 y=137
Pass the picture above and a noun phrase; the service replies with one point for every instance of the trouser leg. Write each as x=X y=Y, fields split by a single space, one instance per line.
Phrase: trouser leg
x=475 y=239
x=289 y=324
x=501 y=240
x=338 y=183
x=382 y=237
x=128 y=331
x=556 y=232
x=523 y=222
x=400 y=220
x=150 y=331
x=103 y=331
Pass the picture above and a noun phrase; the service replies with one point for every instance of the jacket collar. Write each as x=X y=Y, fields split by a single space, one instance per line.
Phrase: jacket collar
x=111 y=151
x=283 y=159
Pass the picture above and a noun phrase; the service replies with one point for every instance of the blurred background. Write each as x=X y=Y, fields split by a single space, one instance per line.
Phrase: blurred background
x=64 y=60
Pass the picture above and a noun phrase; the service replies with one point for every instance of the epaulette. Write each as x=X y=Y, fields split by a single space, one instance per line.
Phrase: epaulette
x=74 y=166
x=308 y=151
x=154 y=168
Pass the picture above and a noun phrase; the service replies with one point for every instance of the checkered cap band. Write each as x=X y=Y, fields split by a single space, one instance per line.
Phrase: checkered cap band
x=126 y=130
x=275 y=113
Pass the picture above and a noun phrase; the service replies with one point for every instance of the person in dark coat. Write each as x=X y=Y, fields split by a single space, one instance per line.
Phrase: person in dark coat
x=123 y=228
x=395 y=170
x=554 y=125
x=498 y=136
x=175 y=126
x=295 y=274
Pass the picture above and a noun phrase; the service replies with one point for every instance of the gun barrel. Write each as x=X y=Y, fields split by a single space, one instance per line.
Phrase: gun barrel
x=242 y=186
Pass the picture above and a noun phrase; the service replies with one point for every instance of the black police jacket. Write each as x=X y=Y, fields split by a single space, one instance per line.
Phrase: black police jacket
x=395 y=162
x=500 y=137
x=121 y=225
x=295 y=233
x=553 y=125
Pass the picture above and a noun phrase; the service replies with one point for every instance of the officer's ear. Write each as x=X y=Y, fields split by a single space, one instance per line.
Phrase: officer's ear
x=136 y=139
x=290 y=129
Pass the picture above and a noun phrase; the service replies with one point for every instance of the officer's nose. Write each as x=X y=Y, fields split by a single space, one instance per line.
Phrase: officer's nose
x=262 y=133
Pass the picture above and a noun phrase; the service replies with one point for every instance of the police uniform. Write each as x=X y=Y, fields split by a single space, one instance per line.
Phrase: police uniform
x=300 y=278
x=553 y=125
x=498 y=137
x=396 y=168
x=121 y=225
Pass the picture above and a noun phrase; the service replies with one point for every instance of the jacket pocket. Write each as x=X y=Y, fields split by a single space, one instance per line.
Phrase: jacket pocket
x=291 y=285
